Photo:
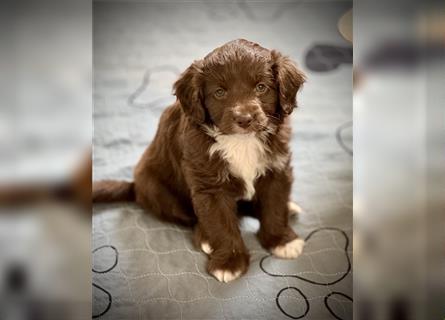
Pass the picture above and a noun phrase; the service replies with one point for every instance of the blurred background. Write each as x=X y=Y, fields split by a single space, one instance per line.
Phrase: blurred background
x=399 y=55
x=46 y=127
x=45 y=166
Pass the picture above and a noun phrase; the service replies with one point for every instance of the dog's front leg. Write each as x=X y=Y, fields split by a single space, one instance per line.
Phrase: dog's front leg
x=220 y=237
x=272 y=197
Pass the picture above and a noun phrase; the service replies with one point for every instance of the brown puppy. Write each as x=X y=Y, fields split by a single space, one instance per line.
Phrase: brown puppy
x=222 y=150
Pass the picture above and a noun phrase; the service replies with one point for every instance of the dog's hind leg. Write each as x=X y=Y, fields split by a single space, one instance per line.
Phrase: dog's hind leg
x=158 y=198
x=201 y=240
x=294 y=208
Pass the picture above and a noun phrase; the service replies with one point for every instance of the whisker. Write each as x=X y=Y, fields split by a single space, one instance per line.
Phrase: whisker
x=273 y=117
x=261 y=126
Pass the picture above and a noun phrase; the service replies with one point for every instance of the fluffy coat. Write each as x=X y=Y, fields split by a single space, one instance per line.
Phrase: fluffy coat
x=221 y=151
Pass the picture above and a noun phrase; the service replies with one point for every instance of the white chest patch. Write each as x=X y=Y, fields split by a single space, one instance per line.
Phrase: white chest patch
x=246 y=156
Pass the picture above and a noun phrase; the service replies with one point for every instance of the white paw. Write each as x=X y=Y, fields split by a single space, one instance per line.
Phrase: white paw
x=226 y=275
x=290 y=250
x=205 y=246
x=294 y=208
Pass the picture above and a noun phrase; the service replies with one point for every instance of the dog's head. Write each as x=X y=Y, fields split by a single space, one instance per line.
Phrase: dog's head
x=240 y=87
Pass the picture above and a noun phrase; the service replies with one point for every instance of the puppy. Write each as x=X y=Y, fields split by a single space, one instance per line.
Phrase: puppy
x=221 y=150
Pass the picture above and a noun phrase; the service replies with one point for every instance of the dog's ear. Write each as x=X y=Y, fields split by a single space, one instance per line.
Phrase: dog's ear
x=289 y=80
x=188 y=90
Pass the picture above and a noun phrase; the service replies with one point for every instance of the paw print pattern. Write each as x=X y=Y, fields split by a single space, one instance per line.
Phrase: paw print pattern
x=288 y=289
x=265 y=265
x=328 y=306
x=138 y=100
x=252 y=13
x=344 y=139
x=105 y=295
x=324 y=58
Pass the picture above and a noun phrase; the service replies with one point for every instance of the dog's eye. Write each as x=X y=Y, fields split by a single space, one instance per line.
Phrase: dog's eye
x=220 y=92
x=261 y=87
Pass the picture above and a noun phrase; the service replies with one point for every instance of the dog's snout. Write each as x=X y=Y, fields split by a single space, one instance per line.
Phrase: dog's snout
x=243 y=119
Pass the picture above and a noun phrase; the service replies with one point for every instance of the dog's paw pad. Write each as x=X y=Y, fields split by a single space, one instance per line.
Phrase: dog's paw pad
x=226 y=275
x=294 y=208
x=206 y=248
x=290 y=250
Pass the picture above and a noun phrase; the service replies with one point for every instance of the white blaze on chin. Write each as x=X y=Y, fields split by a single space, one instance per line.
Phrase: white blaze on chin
x=245 y=154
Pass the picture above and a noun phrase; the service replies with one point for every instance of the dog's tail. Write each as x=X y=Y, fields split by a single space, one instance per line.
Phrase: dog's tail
x=113 y=191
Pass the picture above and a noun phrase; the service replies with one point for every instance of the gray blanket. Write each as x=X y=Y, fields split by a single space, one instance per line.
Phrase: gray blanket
x=147 y=269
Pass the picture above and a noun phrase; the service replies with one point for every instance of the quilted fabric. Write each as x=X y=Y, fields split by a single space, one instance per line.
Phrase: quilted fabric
x=147 y=269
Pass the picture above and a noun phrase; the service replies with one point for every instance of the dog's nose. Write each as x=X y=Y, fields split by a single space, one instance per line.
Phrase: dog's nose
x=243 y=120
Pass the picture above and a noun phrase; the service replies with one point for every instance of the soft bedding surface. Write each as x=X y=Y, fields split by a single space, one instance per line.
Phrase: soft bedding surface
x=147 y=269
